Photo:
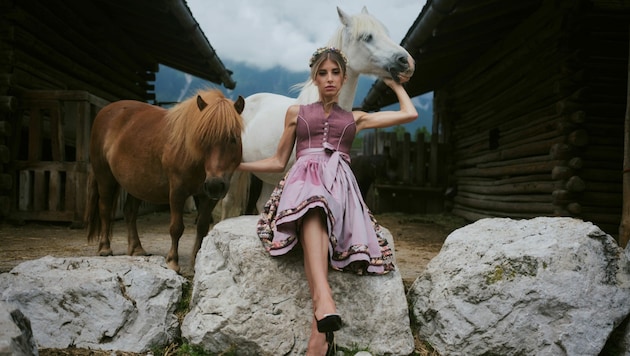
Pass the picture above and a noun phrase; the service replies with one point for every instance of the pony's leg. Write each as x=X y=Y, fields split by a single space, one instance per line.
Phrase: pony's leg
x=204 y=219
x=176 y=229
x=130 y=211
x=107 y=190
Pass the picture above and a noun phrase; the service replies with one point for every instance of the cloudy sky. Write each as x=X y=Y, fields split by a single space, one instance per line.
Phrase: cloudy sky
x=286 y=32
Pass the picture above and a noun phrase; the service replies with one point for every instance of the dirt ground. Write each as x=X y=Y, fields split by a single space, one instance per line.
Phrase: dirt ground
x=417 y=239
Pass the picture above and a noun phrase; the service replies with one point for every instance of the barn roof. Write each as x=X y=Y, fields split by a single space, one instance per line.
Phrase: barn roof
x=448 y=35
x=164 y=30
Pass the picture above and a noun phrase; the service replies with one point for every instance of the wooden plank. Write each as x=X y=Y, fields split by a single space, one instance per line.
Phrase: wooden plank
x=55 y=185
x=421 y=161
x=43 y=215
x=39 y=191
x=57 y=141
x=35 y=135
x=25 y=192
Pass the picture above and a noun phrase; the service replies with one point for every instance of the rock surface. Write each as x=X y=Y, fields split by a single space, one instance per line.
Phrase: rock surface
x=261 y=305
x=113 y=303
x=16 y=336
x=545 y=286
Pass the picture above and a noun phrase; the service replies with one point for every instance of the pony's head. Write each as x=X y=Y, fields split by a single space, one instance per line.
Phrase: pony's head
x=368 y=47
x=206 y=131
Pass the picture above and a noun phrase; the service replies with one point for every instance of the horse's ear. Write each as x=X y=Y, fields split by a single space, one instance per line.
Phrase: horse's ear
x=364 y=10
x=239 y=104
x=343 y=17
x=200 y=103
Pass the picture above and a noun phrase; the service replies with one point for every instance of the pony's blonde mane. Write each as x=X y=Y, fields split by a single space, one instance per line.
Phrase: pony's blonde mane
x=195 y=132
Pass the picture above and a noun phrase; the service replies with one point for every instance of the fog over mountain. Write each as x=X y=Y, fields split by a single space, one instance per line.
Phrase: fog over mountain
x=174 y=86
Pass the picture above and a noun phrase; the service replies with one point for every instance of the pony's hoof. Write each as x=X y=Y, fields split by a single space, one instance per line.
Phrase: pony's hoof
x=106 y=252
x=174 y=266
x=139 y=252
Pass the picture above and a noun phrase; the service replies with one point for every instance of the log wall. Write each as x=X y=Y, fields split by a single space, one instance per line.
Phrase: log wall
x=536 y=124
x=46 y=49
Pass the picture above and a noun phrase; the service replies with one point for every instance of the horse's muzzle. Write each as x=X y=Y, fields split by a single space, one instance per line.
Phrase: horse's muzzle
x=404 y=66
x=216 y=188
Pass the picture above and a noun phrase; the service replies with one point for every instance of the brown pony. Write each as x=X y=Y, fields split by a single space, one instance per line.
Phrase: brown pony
x=162 y=156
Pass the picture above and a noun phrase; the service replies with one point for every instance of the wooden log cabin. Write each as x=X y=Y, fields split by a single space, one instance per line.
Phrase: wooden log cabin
x=531 y=97
x=61 y=62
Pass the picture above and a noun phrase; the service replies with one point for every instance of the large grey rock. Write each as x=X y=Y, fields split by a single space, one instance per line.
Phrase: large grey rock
x=261 y=305
x=16 y=336
x=545 y=286
x=113 y=303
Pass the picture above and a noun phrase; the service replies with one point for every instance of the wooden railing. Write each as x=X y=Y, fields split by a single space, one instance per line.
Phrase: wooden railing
x=410 y=175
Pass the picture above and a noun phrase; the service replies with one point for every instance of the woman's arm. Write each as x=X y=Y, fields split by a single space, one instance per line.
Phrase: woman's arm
x=380 y=119
x=277 y=162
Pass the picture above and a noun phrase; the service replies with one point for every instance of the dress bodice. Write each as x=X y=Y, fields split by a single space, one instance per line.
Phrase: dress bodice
x=314 y=129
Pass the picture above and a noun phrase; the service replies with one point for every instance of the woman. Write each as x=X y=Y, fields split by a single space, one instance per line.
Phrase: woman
x=318 y=202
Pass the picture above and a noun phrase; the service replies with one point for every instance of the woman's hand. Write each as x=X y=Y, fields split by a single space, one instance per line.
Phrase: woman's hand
x=390 y=82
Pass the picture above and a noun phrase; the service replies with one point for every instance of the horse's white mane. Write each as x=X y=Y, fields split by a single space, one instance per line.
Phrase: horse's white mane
x=362 y=23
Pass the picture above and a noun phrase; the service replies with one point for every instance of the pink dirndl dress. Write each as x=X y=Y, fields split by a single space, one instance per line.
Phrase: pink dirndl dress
x=321 y=177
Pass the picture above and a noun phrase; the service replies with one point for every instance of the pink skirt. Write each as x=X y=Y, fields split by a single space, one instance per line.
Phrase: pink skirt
x=323 y=179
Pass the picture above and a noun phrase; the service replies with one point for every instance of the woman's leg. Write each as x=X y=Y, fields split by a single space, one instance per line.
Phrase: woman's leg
x=314 y=239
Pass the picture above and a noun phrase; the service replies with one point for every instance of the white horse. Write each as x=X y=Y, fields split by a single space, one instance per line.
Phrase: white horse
x=369 y=50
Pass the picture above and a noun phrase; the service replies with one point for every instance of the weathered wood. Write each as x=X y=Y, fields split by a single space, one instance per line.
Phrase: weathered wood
x=600 y=175
x=624 y=225
x=512 y=198
x=576 y=184
x=561 y=172
x=520 y=169
x=574 y=208
x=5 y=205
x=562 y=197
x=602 y=199
x=512 y=188
x=6 y=181
x=561 y=151
x=5 y=128
x=578 y=138
x=8 y=103
x=421 y=160
x=505 y=208
x=5 y=154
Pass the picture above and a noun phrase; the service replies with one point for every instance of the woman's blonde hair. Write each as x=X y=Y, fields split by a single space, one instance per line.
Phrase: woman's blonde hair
x=324 y=53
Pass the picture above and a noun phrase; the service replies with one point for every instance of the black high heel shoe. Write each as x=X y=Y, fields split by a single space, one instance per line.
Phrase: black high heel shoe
x=328 y=325
x=332 y=347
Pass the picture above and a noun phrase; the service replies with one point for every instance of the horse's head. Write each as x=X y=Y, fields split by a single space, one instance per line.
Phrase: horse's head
x=369 y=49
x=226 y=152
x=210 y=136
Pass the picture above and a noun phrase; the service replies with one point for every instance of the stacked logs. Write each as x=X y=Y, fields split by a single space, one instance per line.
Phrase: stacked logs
x=538 y=120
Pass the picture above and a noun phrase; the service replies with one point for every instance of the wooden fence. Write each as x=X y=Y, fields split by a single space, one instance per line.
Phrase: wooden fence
x=413 y=175
x=51 y=155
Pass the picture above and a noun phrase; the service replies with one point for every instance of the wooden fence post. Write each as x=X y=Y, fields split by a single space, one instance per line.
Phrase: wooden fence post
x=624 y=227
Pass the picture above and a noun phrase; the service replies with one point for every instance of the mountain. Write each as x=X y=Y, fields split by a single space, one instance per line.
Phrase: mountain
x=172 y=86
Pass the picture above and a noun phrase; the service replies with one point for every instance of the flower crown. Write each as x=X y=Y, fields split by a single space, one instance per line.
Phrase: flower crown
x=322 y=50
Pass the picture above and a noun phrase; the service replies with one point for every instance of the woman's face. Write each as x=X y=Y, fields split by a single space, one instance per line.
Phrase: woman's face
x=329 y=79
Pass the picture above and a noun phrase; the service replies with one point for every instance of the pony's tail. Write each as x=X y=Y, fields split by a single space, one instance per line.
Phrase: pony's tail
x=92 y=216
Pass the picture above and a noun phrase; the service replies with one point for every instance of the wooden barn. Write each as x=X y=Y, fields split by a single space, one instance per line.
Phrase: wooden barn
x=531 y=97
x=64 y=60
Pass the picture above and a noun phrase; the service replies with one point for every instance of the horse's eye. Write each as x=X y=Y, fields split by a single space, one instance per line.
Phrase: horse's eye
x=367 y=37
